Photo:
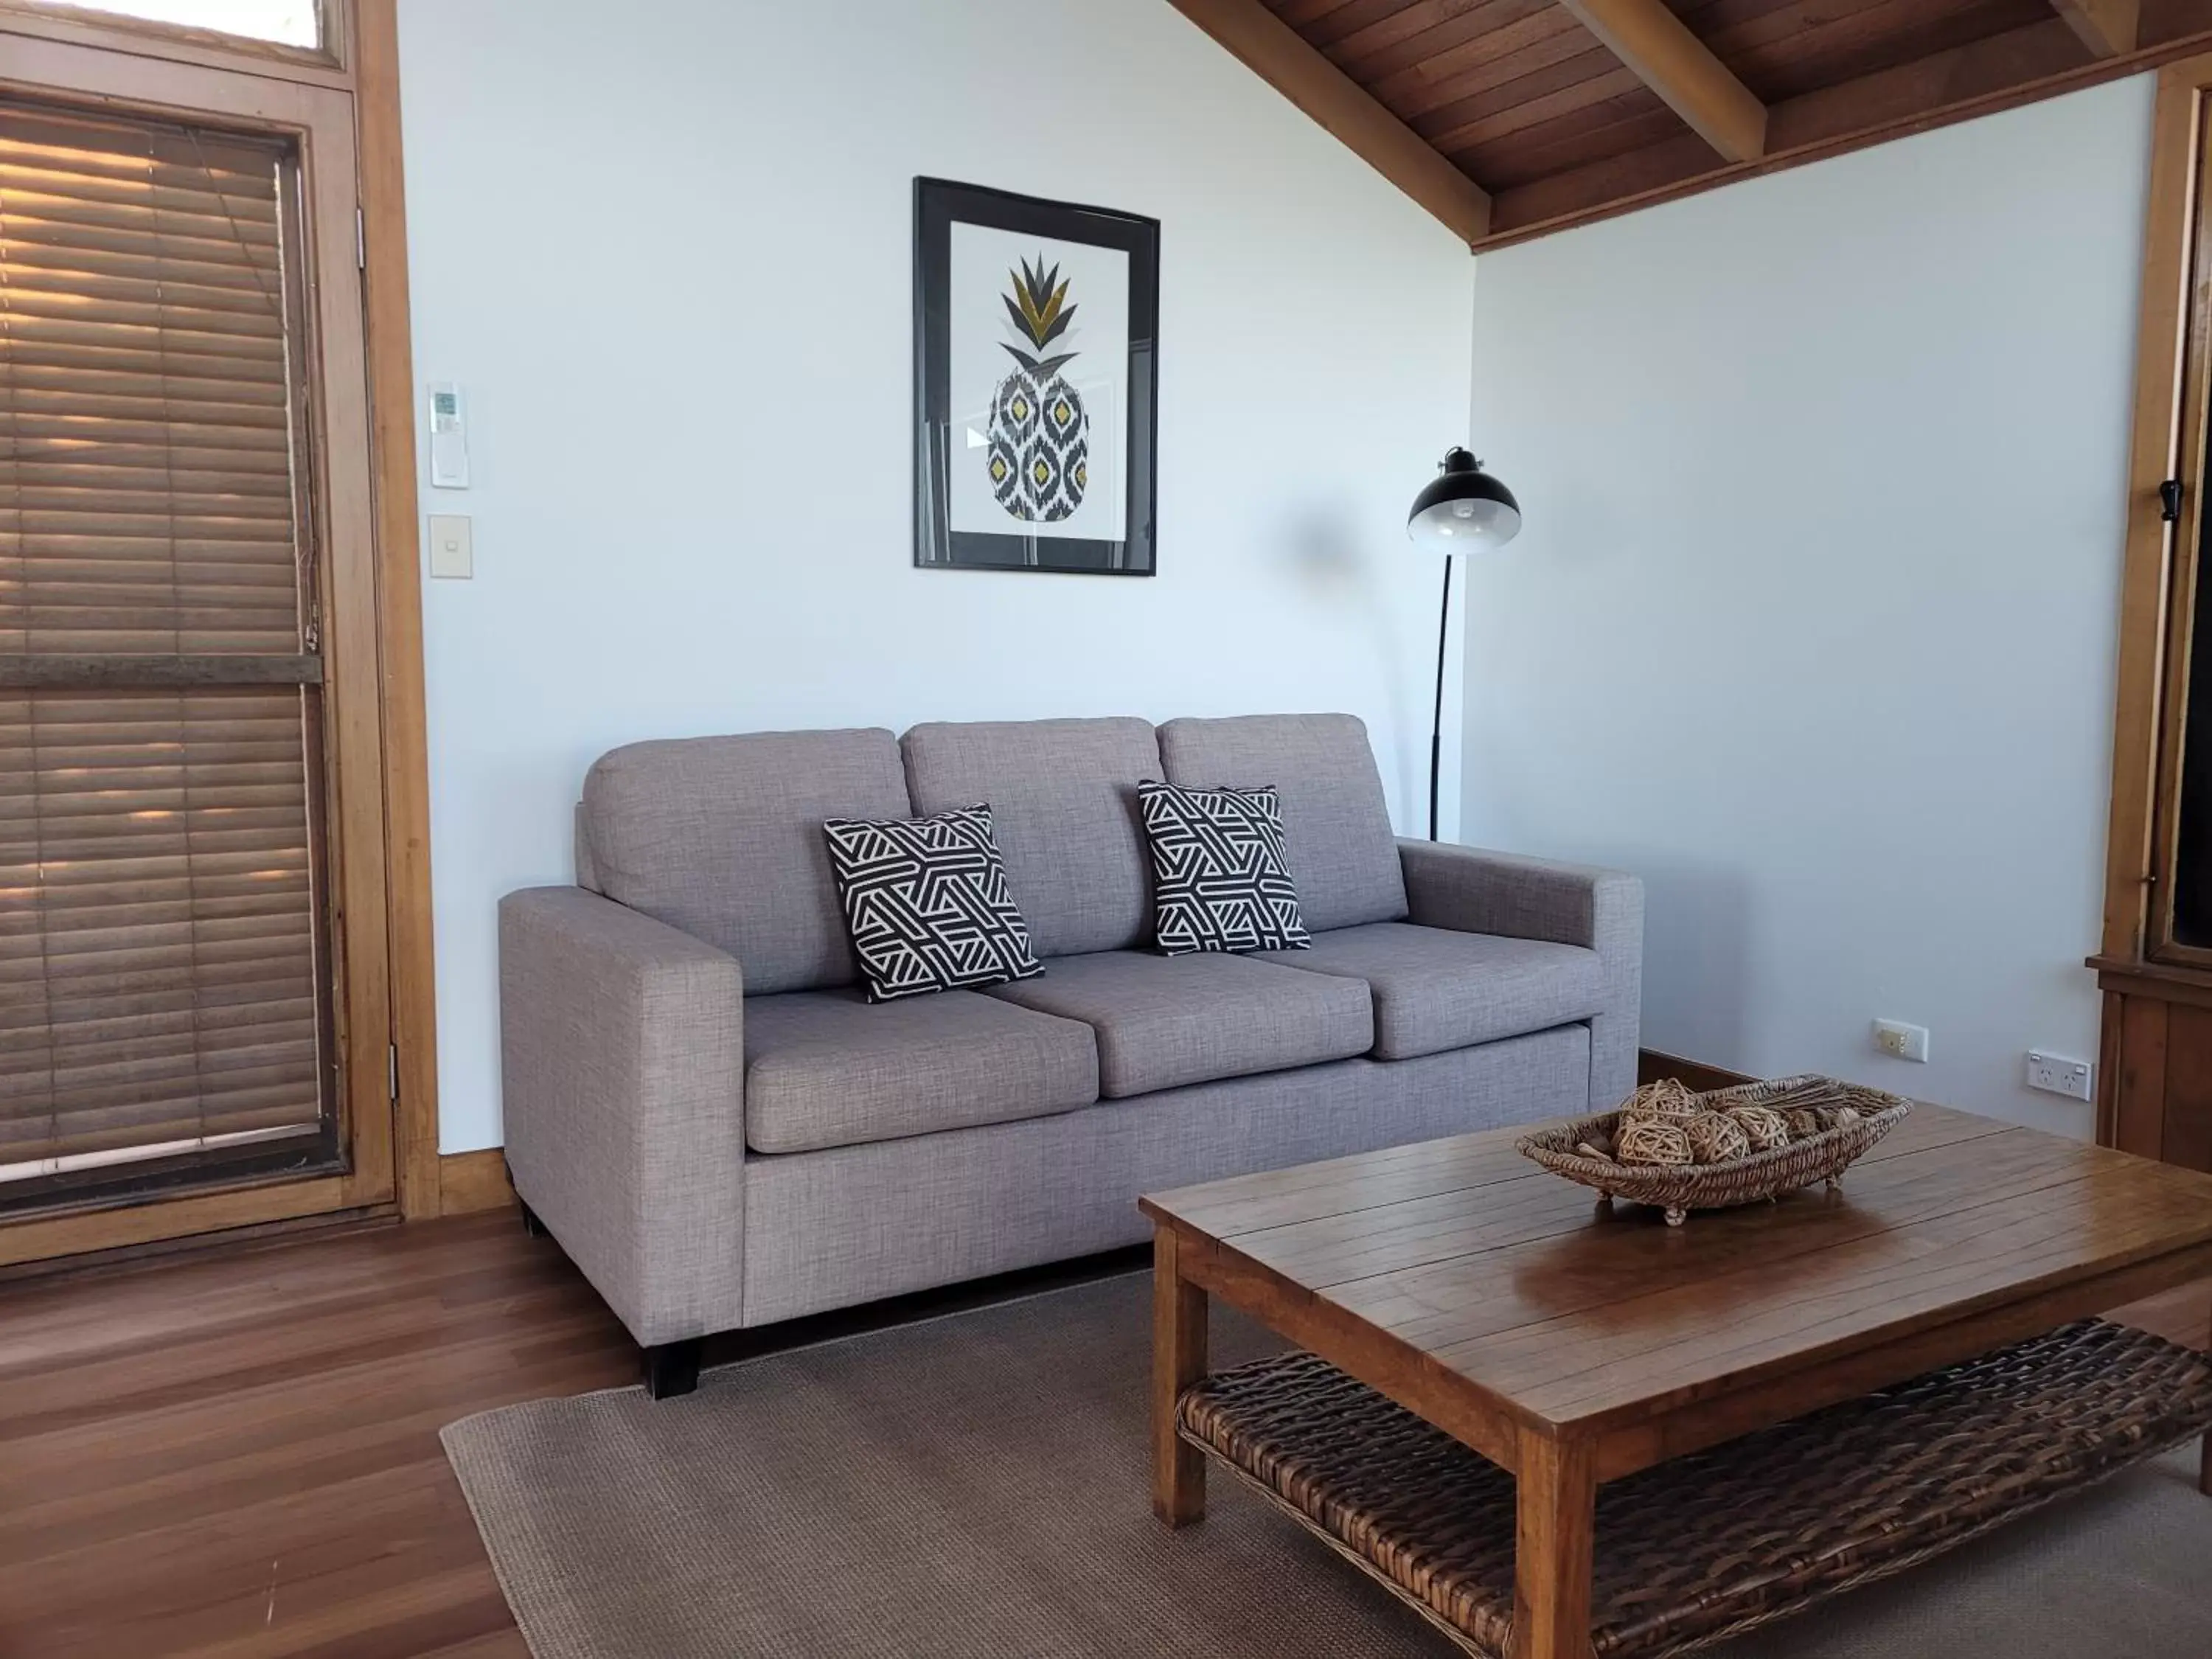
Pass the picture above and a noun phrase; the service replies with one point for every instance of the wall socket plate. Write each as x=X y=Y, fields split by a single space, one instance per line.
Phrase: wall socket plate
x=1901 y=1042
x=2056 y=1074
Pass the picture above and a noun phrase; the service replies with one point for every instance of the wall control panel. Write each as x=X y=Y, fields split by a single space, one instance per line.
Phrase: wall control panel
x=449 y=436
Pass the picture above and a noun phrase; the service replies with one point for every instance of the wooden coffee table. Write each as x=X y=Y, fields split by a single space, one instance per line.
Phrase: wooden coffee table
x=1574 y=1345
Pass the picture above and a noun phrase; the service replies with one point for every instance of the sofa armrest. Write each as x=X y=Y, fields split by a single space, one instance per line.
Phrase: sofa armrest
x=1473 y=891
x=622 y=1049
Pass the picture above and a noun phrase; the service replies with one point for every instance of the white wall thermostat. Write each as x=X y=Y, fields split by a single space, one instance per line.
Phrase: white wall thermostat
x=449 y=436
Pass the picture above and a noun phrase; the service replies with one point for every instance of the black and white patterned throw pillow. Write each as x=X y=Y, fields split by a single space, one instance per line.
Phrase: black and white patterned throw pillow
x=1220 y=879
x=928 y=905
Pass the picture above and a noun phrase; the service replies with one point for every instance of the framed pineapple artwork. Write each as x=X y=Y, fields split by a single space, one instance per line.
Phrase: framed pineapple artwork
x=1037 y=383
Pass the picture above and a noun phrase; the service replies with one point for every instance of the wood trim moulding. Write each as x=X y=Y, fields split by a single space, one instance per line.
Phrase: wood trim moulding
x=400 y=600
x=2122 y=976
x=1658 y=46
x=124 y=1226
x=2185 y=553
x=250 y=1236
x=470 y=1181
x=2156 y=453
x=1274 y=51
x=2108 y=27
x=2037 y=61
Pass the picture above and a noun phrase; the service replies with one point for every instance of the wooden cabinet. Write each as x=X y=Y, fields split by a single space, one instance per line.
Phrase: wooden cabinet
x=2154 y=1097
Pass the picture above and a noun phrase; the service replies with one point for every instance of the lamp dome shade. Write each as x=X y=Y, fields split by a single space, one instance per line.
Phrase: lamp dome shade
x=1463 y=506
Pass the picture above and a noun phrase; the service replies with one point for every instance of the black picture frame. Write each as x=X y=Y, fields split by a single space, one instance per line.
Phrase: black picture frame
x=938 y=203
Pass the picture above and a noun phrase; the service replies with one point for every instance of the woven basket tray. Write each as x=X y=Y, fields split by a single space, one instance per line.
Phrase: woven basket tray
x=1680 y=1188
x=1706 y=1546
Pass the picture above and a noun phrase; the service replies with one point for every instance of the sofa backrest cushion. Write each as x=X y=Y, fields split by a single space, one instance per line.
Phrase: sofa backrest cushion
x=1063 y=797
x=1343 y=853
x=722 y=837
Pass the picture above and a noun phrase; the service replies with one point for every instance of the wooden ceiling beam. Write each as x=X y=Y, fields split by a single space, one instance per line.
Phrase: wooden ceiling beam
x=2108 y=27
x=1682 y=69
x=1275 y=52
x=2038 y=60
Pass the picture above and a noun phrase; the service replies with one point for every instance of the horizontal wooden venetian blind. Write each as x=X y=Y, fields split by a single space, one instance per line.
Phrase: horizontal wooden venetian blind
x=159 y=953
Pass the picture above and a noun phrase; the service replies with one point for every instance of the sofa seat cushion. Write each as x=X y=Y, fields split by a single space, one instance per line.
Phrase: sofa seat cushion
x=829 y=1068
x=1436 y=989
x=1164 y=1021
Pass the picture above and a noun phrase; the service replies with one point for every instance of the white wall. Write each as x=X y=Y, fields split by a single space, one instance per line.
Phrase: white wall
x=667 y=251
x=1813 y=622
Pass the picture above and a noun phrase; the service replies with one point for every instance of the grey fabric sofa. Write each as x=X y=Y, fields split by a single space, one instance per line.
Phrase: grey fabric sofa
x=721 y=1131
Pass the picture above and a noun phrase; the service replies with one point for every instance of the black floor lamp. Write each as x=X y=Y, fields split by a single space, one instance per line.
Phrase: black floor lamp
x=1463 y=509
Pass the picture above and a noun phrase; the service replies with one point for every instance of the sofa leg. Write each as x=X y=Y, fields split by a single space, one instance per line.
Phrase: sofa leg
x=531 y=1225
x=672 y=1368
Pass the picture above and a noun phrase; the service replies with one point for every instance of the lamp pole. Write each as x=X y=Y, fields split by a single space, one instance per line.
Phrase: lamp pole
x=1436 y=724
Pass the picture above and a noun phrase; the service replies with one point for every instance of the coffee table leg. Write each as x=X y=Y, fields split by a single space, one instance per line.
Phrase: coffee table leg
x=1552 y=1546
x=1178 y=1361
x=2204 y=1468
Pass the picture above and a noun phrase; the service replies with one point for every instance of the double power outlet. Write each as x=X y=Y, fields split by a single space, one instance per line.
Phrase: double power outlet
x=2056 y=1074
x=2053 y=1074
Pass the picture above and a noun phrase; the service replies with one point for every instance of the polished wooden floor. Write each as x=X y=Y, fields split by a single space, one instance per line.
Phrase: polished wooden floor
x=236 y=1455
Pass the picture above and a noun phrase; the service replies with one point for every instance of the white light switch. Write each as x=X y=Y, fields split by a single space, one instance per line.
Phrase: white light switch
x=451 y=550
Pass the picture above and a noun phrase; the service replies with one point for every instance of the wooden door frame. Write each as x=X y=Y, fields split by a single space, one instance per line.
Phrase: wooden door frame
x=350 y=95
x=375 y=68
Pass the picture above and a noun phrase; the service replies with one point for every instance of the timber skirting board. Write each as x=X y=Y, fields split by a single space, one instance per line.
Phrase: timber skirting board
x=469 y=1181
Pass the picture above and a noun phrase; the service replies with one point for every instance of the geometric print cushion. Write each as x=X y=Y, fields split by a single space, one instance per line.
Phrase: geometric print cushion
x=927 y=903
x=1219 y=879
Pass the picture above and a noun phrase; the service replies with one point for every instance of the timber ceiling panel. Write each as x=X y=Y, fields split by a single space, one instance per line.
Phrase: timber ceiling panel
x=1509 y=118
x=1781 y=48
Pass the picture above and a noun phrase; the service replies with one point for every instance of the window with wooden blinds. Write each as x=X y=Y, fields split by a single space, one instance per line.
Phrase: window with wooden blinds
x=163 y=960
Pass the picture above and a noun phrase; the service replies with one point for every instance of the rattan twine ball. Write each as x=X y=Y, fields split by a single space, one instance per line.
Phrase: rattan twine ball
x=1652 y=1140
x=1714 y=1137
x=1667 y=1101
x=1765 y=1128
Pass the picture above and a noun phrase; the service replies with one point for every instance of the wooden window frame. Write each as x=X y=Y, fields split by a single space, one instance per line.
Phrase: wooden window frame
x=342 y=107
x=326 y=64
x=2163 y=560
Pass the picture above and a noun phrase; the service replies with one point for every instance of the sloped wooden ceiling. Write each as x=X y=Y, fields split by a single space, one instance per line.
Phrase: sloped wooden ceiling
x=1511 y=118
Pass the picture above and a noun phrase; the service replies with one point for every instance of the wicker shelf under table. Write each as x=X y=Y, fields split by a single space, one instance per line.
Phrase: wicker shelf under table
x=1704 y=1546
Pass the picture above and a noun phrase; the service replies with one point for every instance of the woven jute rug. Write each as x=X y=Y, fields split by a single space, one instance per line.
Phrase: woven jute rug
x=976 y=1485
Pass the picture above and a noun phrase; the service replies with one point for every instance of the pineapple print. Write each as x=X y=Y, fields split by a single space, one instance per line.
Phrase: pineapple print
x=1040 y=440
